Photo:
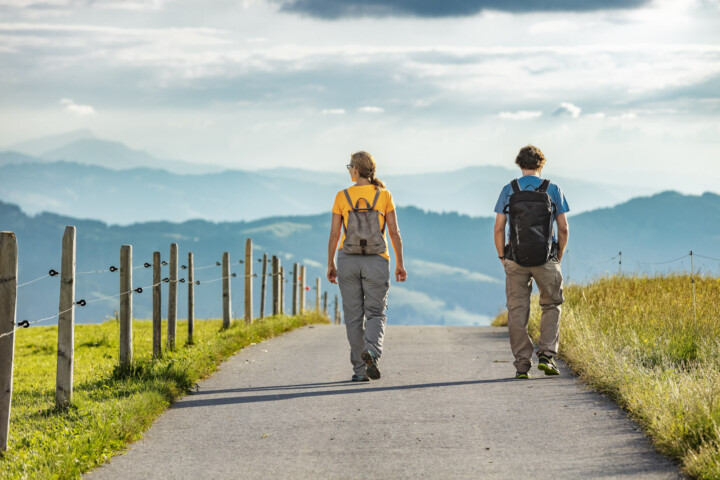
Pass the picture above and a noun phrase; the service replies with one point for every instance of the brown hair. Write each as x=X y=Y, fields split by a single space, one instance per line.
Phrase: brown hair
x=530 y=158
x=365 y=165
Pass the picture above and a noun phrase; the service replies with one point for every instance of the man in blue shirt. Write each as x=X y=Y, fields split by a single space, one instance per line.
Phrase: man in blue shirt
x=518 y=278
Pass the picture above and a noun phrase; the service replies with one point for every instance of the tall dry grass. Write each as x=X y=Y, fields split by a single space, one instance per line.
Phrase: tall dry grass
x=636 y=339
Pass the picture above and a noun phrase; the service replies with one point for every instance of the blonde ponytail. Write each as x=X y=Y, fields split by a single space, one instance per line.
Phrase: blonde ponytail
x=366 y=165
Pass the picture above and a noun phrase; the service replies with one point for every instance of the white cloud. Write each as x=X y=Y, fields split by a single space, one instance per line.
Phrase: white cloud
x=311 y=263
x=333 y=111
x=599 y=115
x=79 y=110
x=554 y=27
x=371 y=109
x=520 y=115
x=627 y=116
x=431 y=306
x=422 y=268
x=567 y=109
x=66 y=4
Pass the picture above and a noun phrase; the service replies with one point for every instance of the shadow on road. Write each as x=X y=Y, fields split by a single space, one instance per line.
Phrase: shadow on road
x=357 y=388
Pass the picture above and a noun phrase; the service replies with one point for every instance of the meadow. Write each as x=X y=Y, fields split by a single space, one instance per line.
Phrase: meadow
x=111 y=406
x=638 y=340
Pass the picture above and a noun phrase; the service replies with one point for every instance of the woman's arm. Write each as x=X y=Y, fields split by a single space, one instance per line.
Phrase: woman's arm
x=335 y=227
x=394 y=231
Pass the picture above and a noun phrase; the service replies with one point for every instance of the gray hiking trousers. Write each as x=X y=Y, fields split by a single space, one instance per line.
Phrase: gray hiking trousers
x=364 y=282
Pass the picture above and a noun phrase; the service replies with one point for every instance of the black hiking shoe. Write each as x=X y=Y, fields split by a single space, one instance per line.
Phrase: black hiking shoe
x=547 y=365
x=371 y=360
x=359 y=378
x=522 y=375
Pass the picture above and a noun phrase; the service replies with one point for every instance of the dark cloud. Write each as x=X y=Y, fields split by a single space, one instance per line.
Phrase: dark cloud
x=334 y=9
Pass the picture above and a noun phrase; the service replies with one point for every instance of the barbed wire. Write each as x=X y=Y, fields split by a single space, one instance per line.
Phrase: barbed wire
x=51 y=273
x=661 y=263
x=216 y=264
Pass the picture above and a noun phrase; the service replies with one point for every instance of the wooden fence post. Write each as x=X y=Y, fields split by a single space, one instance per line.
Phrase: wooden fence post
x=295 y=289
x=337 y=311
x=66 y=322
x=191 y=297
x=275 y=285
x=126 y=304
x=8 y=304
x=248 y=281
x=157 y=305
x=226 y=290
x=302 y=289
x=172 y=297
x=263 y=285
x=317 y=294
x=324 y=310
x=282 y=290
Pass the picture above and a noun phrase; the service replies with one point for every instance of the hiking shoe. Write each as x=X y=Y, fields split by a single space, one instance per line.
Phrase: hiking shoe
x=522 y=375
x=370 y=359
x=547 y=365
x=359 y=378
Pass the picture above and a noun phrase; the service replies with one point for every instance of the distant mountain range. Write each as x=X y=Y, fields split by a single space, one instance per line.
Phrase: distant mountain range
x=454 y=275
x=84 y=147
x=80 y=175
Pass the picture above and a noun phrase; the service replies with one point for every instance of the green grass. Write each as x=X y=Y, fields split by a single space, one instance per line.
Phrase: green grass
x=635 y=338
x=111 y=406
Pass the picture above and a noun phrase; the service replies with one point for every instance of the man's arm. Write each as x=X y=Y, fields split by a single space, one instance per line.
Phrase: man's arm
x=563 y=234
x=335 y=227
x=499 y=233
x=396 y=239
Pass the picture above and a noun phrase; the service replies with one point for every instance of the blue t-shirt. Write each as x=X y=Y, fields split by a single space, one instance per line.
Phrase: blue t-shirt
x=531 y=182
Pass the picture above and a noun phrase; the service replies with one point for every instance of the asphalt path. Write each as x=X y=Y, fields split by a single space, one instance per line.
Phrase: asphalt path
x=445 y=407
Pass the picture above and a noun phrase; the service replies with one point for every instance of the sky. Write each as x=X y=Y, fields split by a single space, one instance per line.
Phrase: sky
x=622 y=91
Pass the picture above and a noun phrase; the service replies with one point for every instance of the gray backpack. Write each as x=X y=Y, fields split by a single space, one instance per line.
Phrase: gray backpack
x=363 y=235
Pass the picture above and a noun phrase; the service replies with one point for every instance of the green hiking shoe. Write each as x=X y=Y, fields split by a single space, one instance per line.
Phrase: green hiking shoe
x=547 y=365
x=522 y=376
x=368 y=356
x=359 y=378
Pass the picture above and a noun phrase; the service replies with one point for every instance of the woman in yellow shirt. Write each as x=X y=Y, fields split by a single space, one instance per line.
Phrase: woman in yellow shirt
x=364 y=280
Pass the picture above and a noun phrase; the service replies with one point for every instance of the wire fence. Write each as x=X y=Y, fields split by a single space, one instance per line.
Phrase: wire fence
x=112 y=269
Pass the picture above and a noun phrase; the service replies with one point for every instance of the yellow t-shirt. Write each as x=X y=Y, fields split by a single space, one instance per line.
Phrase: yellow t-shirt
x=384 y=205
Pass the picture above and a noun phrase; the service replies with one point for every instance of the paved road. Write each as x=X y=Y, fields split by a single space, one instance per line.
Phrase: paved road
x=444 y=408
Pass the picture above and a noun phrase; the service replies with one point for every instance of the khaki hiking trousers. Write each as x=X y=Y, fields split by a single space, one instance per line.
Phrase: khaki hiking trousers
x=518 y=287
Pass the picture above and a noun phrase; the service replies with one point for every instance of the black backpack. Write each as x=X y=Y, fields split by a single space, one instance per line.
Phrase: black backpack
x=531 y=225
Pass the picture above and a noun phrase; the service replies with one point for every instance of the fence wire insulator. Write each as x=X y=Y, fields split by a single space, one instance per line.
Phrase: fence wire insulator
x=23 y=324
x=233 y=275
x=138 y=290
x=166 y=280
x=197 y=282
x=147 y=265
x=259 y=260
x=113 y=268
x=240 y=261
x=52 y=272
x=218 y=264
x=184 y=267
x=81 y=302
x=182 y=280
x=163 y=262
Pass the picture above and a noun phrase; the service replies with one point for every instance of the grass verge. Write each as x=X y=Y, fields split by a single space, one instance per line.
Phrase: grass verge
x=111 y=406
x=637 y=340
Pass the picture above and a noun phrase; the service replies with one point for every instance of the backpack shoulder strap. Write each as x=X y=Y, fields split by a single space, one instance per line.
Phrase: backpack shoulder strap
x=515 y=185
x=349 y=200
x=377 y=195
x=544 y=186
